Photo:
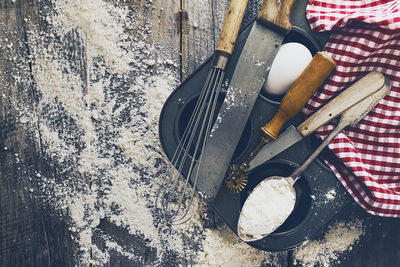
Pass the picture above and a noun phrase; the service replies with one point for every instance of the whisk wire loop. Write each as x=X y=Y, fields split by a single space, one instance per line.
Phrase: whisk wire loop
x=174 y=197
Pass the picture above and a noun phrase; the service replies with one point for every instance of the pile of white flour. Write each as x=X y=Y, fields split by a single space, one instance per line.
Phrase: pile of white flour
x=266 y=208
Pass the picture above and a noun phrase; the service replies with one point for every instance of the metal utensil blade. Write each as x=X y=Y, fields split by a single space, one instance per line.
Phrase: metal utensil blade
x=251 y=70
x=284 y=141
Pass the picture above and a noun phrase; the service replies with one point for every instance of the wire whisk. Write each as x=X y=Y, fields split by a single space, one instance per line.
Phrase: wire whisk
x=175 y=196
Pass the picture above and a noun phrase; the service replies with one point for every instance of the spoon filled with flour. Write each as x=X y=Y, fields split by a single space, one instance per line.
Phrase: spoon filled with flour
x=266 y=208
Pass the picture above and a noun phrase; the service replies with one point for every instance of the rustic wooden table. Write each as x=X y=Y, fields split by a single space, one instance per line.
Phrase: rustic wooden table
x=31 y=233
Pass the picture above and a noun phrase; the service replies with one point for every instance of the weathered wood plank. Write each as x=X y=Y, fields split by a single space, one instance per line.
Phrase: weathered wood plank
x=154 y=24
x=219 y=10
x=29 y=234
x=165 y=29
x=201 y=26
x=158 y=25
x=197 y=29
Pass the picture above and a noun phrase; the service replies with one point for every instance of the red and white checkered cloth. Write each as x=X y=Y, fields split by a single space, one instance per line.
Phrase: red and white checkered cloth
x=366 y=38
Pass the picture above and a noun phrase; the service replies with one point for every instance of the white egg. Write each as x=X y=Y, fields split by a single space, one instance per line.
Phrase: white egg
x=289 y=62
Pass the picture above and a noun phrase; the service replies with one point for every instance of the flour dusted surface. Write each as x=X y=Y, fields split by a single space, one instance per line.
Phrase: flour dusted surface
x=97 y=116
x=224 y=248
x=339 y=239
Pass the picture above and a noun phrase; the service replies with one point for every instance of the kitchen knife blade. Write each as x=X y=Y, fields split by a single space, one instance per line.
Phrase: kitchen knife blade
x=262 y=44
x=363 y=88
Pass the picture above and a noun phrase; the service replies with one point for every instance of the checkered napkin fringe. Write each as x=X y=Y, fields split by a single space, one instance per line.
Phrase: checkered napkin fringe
x=366 y=38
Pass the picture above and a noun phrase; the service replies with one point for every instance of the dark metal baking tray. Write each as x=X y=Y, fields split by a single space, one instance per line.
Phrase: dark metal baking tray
x=313 y=209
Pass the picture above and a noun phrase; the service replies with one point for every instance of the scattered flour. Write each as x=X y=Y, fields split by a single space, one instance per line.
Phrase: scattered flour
x=331 y=194
x=339 y=239
x=101 y=23
x=266 y=208
x=223 y=248
x=98 y=106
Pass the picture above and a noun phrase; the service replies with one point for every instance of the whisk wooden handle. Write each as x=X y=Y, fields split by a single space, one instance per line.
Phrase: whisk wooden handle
x=302 y=89
x=231 y=27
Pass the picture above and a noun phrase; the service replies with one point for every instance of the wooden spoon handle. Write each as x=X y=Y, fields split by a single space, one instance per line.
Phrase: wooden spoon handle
x=231 y=27
x=350 y=116
x=302 y=89
x=276 y=15
x=366 y=86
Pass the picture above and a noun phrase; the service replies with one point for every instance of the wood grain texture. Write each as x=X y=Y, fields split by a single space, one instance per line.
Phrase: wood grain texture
x=30 y=234
x=197 y=30
x=230 y=29
x=163 y=22
x=219 y=9
x=160 y=27
x=362 y=88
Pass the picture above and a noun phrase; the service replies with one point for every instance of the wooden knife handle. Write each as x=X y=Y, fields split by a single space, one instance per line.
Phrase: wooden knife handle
x=366 y=86
x=302 y=89
x=276 y=15
x=231 y=27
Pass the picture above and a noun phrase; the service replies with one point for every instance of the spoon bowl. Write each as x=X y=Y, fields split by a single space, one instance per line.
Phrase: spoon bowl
x=255 y=224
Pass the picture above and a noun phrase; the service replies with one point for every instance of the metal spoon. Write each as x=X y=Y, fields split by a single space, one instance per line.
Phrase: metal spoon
x=350 y=116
